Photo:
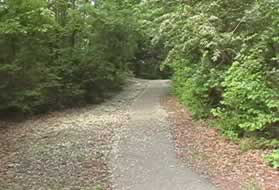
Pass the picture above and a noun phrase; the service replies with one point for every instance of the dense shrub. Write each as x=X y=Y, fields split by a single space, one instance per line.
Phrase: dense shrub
x=61 y=52
x=225 y=59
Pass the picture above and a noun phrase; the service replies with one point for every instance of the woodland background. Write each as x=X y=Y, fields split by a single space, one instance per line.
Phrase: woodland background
x=224 y=57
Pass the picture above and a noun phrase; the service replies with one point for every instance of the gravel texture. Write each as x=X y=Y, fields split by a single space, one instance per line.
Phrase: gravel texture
x=64 y=150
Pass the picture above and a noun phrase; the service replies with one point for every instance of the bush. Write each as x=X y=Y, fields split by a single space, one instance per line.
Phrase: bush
x=224 y=57
x=249 y=103
x=59 y=53
x=273 y=159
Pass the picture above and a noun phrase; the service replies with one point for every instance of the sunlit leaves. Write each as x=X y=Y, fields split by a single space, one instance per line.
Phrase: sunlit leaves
x=225 y=56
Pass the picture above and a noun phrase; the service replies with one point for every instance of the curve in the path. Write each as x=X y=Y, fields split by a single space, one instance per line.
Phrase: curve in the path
x=145 y=158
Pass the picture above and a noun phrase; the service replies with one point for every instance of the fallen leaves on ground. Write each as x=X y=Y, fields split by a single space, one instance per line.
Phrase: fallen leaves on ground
x=204 y=150
x=64 y=150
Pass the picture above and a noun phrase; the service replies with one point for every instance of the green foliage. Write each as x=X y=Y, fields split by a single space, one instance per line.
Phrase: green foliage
x=273 y=159
x=225 y=59
x=98 y=187
x=249 y=143
x=249 y=103
x=149 y=56
x=61 y=52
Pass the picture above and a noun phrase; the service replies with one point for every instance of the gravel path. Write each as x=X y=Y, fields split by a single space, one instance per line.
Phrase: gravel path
x=124 y=143
x=66 y=150
x=144 y=155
